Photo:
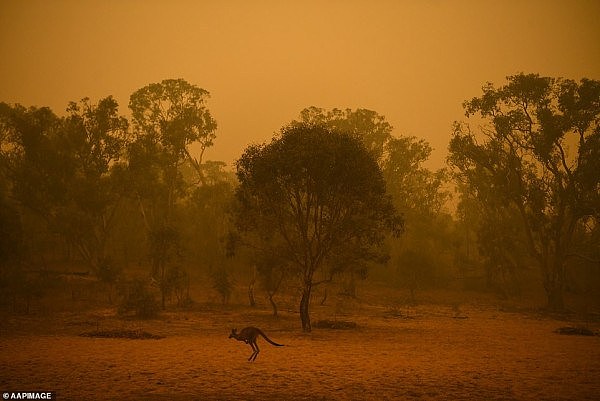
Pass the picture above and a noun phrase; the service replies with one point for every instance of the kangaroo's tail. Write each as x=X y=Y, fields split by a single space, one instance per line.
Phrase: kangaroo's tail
x=268 y=339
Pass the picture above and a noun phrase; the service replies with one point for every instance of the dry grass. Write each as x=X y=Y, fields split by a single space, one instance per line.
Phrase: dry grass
x=431 y=351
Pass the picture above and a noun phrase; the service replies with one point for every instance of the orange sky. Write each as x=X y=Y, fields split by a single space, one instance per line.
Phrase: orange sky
x=263 y=61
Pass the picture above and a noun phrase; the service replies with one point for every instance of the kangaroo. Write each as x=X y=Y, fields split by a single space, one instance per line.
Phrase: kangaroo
x=249 y=336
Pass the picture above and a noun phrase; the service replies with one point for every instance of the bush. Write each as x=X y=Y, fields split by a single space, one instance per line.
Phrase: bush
x=137 y=298
x=177 y=281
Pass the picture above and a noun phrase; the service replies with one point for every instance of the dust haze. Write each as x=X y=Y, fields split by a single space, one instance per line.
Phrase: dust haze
x=300 y=200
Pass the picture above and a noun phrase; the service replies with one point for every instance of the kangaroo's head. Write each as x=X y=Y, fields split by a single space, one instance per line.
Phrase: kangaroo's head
x=233 y=333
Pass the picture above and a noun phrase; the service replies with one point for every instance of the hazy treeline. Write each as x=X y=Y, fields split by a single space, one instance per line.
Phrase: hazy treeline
x=130 y=203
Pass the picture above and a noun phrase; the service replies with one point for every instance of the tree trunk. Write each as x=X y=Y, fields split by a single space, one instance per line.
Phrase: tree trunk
x=163 y=283
x=556 y=301
x=251 y=298
x=155 y=267
x=554 y=283
x=304 y=306
x=273 y=304
x=554 y=293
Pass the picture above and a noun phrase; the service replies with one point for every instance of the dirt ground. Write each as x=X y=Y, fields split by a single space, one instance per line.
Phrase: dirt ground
x=427 y=352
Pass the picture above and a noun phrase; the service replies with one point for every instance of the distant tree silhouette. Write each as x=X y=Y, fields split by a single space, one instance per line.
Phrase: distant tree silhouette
x=64 y=170
x=417 y=192
x=368 y=126
x=168 y=117
x=538 y=157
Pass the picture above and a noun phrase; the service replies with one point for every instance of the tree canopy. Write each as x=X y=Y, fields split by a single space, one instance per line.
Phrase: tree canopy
x=62 y=169
x=537 y=158
x=168 y=118
x=173 y=113
x=309 y=195
x=417 y=192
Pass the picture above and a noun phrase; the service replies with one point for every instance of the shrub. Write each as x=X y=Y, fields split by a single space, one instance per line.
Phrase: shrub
x=137 y=298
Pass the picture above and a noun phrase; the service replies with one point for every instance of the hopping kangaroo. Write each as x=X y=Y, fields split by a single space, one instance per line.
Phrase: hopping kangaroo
x=249 y=336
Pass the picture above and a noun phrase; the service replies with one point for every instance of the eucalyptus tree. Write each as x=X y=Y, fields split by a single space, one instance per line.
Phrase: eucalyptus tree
x=307 y=196
x=62 y=170
x=173 y=115
x=367 y=125
x=169 y=118
x=417 y=192
x=537 y=157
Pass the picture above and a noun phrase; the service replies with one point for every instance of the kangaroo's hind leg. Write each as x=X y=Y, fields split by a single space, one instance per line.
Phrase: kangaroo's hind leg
x=256 y=350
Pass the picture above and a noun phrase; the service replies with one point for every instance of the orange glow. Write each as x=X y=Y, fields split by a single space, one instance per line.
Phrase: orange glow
x=411 y=61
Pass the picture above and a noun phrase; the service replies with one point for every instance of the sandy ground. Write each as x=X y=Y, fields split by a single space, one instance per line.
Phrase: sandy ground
x=490 y=355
